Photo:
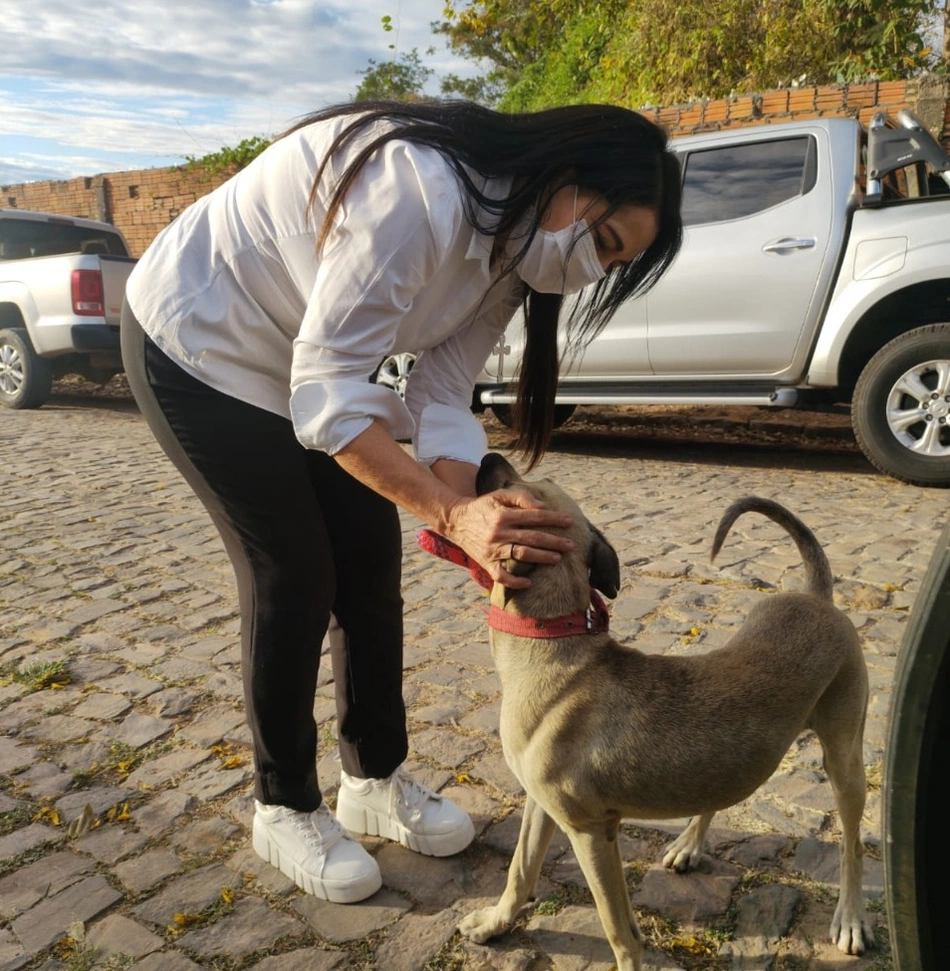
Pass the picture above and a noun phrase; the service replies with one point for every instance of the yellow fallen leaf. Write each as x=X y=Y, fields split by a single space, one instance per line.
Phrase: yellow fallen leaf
x=691 y=945
x=183 y=920
x=463 y=777
x=124 y=814
x=65 y=948
x=232 y=763
x=227 y=895
x=48 y=815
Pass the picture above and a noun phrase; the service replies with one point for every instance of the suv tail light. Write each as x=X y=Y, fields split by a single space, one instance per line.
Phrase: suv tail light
x=88 y=295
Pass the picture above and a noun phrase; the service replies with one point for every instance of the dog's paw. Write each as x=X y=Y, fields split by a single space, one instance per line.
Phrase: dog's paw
x=482 y=925
x=851 y=932
x=682 y=854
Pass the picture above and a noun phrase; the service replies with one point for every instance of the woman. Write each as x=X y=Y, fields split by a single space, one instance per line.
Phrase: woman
x=252 y=327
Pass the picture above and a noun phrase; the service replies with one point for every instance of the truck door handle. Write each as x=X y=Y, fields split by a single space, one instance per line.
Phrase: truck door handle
x=787 y=244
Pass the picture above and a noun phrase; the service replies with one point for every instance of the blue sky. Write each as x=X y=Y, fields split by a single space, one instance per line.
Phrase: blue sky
x=99 y=87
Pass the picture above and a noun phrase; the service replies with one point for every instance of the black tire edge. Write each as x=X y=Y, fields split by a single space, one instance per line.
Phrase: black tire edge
x=919 y=680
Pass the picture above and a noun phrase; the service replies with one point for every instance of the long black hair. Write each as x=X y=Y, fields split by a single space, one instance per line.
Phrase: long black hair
x=603 y=149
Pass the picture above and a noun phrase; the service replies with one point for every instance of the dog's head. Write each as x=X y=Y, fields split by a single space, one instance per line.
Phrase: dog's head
x=593 y=561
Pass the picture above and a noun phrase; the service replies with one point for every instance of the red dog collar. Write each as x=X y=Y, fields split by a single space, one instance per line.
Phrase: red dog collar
x=593 y=620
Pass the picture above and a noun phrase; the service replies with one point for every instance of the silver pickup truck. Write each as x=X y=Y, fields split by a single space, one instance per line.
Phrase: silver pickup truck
x=815 y=269
x=62 y=281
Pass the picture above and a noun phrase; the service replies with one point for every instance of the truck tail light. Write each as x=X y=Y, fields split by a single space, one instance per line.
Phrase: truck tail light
x=88 y=294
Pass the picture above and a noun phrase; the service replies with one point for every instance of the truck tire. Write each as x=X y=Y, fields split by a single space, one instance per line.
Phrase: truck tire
x=900 y=410
x=561 y=414
x=916 y=850
x=25 y=378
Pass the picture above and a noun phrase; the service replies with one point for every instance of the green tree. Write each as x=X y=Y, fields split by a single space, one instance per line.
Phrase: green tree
x=506 y=35
x=230 y=158
x=400 y=79
x=543 y=52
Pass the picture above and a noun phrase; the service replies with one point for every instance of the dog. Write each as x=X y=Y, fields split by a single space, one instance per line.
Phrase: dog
x=596 y=732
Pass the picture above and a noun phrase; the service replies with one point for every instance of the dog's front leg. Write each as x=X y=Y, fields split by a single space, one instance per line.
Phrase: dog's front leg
x=598 y=853
x=537 y=828
x=684 y=852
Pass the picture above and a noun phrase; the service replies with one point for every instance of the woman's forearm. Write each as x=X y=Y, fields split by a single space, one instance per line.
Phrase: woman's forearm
x=484 y=526
x=459 y=476
x=380 y=463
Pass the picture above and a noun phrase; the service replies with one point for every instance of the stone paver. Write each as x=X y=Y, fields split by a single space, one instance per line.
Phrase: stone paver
x=248 y=928
x=117 y=935
x=49 y=920
x=109 y=564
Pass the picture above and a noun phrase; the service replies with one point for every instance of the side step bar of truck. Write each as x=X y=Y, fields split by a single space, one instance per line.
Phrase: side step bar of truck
x=656 y=394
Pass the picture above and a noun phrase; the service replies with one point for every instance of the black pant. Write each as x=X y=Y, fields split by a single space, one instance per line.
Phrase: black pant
x=306 y=540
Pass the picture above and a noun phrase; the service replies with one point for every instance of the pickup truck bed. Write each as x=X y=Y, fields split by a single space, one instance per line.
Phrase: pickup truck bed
x=62 y=283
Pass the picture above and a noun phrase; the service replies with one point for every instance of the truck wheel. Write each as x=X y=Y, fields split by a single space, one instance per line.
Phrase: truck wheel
x=901 y=407
x=393 y=372
x=25 y=378
x=561 y=414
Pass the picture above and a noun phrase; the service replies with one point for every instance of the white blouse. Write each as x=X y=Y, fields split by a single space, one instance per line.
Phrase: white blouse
x=234 y=292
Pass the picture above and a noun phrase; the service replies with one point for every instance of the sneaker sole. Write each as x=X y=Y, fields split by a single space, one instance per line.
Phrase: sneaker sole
x=341 y=892
x=368 y=822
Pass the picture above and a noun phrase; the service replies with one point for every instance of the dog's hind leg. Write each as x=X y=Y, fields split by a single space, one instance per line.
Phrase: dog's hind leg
x=838 y=721
x=684 y=852
x=598 y=853
x=537 y=828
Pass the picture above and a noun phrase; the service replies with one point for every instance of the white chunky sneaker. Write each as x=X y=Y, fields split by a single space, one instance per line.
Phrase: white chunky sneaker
x=315 y=852
x=401 y=809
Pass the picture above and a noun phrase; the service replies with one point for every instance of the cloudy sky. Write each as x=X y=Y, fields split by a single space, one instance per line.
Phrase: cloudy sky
x=90 y=87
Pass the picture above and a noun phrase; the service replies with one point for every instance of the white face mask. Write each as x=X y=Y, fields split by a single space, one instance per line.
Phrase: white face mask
x=550 y=265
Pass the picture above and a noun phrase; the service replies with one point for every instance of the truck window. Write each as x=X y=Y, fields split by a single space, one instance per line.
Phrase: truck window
x=21 y=239
x=739 y=180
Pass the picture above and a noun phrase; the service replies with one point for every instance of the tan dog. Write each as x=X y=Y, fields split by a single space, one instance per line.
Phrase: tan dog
x=596 y=731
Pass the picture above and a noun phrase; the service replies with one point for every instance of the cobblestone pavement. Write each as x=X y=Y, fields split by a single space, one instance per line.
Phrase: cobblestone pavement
x=125 y=799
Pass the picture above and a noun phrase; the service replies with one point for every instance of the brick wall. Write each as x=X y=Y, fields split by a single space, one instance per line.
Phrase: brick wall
x=140 y=203
x=143 y=202
x=928 y=97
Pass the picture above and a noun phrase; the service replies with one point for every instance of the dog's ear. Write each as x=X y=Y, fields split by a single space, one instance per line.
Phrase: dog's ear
x=604 y=564
x=495 y=472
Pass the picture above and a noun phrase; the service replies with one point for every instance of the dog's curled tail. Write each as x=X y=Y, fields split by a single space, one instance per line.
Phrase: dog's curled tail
x=817 y=570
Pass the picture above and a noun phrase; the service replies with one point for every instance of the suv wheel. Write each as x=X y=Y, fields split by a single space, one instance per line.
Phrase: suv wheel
x=901 y=407
x=504 y=414
x=25 y=378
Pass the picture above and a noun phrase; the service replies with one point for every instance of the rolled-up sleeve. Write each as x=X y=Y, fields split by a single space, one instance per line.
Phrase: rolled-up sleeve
x=378 y=257
x=441 y=384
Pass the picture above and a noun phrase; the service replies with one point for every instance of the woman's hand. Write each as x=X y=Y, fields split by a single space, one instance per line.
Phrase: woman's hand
x=504 y=525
